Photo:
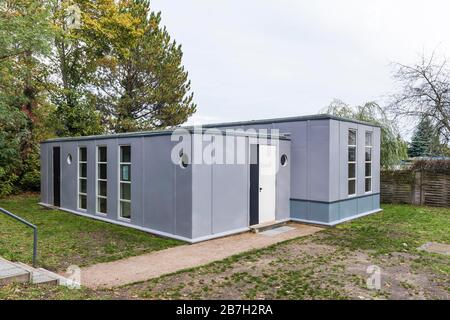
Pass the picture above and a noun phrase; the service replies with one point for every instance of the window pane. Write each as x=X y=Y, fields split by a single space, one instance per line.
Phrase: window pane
x=102 y=205
x=83 y=202
x=368 y=154
x=125 y=209
x=352 y=154
x=83 y=154
x=368 y=138
x=101 y=154
x=125 y=172
x=102 y=188
x=125 y=154
x=351 y=186
x=351 y=170
x=351 y=137
x=83 y=170
x=102 y=171
x=83 y=185
x=368 y=184
x=125 y=191
x=368 y=169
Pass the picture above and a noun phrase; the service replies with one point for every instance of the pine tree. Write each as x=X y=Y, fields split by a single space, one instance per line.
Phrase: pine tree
x=425 y=141
x=141 y=82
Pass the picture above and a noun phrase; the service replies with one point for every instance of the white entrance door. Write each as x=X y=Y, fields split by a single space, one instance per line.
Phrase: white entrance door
x=267 y=180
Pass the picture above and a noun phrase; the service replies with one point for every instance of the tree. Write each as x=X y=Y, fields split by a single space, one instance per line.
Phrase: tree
x=71 y=66
x=425 y=93
x=24 y=38
x=25 y=35
x=393 y=148
x=425 y=141
x=141 y=81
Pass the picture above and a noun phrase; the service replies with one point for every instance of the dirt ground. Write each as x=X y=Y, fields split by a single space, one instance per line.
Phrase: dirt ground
x=300 y=269
x=335 y=263
x=155 y=264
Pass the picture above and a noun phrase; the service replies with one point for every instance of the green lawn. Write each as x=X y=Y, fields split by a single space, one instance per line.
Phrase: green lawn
x=66 y=239
x=331 y=264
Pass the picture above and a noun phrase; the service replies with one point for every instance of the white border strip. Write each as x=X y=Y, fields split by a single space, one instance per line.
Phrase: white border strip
x=330 y=224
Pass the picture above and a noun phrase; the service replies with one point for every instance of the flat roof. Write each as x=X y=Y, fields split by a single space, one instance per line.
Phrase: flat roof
x=192 y=130
x=213 y=125
x=289 y=119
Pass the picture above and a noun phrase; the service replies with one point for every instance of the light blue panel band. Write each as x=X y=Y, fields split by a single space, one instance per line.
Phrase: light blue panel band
x=331 y=213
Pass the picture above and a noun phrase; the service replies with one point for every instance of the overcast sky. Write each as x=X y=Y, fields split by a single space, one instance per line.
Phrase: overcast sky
x=256 y=59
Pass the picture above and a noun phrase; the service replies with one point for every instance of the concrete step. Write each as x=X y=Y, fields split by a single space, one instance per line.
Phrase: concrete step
x=60 y=279
x=267 y=226
x=10 y=272
x=40 y=276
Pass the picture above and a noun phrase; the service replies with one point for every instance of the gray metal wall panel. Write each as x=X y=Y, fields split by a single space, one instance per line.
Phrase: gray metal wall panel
x=183 y=200
x=318 y=160
x=229 y=197
x=283 y=181
x=336 y=158
x=299 y=157
x=159 y=201
x=69 y=176
x=201 y=200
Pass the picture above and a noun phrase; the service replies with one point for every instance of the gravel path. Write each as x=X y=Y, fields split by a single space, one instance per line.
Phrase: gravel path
x=156 y=264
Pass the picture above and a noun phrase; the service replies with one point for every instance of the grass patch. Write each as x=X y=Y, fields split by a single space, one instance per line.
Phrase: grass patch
x=66 y=239
x=399 y=228
x=328 y=265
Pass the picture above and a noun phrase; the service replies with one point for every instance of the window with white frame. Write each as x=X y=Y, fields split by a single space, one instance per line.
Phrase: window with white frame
x=82 y=178
x=102 y=180
x=125 y=182
x=352 y=162
x=368 y=162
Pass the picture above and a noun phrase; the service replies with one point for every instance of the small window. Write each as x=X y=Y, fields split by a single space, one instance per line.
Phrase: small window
x=125 y=182
x=69 y=159
x=125 y=154
x=284 y=160
x=351 y=161
x=102 y=179
x=82 y=178
x=368 y=162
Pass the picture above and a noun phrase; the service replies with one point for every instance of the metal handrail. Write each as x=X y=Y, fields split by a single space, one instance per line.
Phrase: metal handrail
x=35 y=232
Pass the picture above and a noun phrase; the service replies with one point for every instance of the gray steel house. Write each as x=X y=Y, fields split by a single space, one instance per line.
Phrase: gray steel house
x=322 y=170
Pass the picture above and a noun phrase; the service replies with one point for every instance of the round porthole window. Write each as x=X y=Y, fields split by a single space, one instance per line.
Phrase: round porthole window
x=284 y=160
x=184 y=161
x=69 y=159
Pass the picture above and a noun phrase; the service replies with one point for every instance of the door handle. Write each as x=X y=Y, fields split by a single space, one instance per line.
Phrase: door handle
x=260 y=189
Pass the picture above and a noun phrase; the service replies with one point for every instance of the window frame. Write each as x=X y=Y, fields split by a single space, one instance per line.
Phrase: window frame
x=98 y=179
x=79 y=178
x=368 y=162
x=355 y=162
x=119 y=177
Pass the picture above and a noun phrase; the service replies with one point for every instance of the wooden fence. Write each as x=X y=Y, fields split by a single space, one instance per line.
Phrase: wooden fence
x=416 y=187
